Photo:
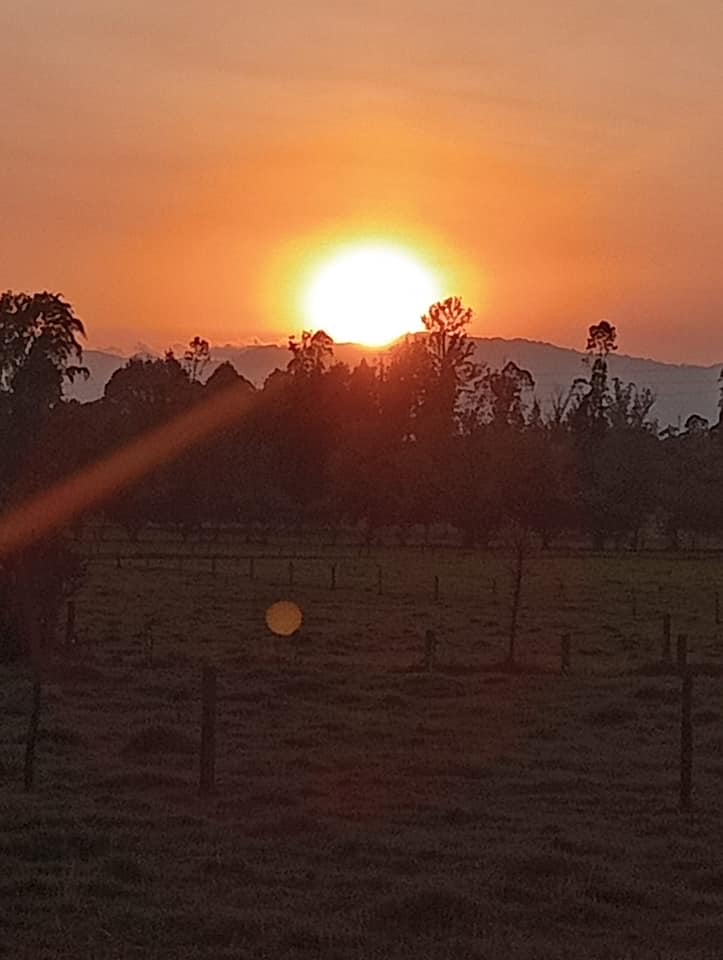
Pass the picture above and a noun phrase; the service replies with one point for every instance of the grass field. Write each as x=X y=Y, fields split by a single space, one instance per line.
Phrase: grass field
x=366 y=808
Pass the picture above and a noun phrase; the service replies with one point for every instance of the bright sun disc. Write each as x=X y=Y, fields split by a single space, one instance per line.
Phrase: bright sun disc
x=370 y=294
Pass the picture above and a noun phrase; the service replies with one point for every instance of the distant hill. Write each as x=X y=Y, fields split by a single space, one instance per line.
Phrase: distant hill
x=681 y=389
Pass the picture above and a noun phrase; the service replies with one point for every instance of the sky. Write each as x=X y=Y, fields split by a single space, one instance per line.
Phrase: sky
x=174 y=167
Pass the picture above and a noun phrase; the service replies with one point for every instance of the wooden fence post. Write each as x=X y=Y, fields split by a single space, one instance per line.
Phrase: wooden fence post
x=32 y=738
x=666 y=652
x=682 y=652
x=70 y=637
x=333 y=576
x=430 y=649
x=516 y=597
x=207 y=779
x=686 y=742
x=565 y=653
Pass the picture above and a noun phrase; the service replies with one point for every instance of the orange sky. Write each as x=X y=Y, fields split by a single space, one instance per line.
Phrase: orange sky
x=166 y=166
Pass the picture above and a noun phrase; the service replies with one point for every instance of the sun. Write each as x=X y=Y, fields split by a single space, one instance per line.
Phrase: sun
x=369 y=293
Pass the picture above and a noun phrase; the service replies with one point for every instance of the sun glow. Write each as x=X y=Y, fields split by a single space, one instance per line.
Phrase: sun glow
x=370 y=294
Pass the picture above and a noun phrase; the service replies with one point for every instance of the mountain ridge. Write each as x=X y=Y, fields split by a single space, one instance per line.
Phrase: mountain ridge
x=681 y=389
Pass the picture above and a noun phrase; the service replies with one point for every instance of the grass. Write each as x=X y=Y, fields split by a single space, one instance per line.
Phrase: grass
x=366 y=808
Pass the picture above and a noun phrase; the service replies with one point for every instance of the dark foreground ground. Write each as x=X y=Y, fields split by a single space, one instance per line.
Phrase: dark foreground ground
x=366 y=809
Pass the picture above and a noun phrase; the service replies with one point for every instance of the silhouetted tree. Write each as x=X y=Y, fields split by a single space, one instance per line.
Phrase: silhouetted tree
x=454 y=372
x=630 y=408
x=37 y=332
x=689 y=482
x=589 y=423
x=148 y=390
x=473 y=502
x=404 y=388
x=506 y=397
x=563 y=401
x=225 y=375
x=145 y=393
x=196 y=358
x=601 y=339
x=39 y=349
x=311 y=355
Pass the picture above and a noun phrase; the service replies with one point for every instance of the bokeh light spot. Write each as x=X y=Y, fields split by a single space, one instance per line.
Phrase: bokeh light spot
x=284 y=618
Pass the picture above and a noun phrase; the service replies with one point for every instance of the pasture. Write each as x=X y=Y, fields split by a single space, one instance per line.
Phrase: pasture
x=367 y=808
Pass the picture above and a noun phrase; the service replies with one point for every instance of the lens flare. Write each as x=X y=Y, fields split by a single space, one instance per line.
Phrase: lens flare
x=284 y=618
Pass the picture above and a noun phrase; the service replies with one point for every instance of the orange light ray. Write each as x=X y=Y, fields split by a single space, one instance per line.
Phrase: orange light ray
x=89 y=487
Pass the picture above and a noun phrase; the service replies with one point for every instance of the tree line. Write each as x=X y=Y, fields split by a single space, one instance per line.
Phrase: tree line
x=424 y=435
